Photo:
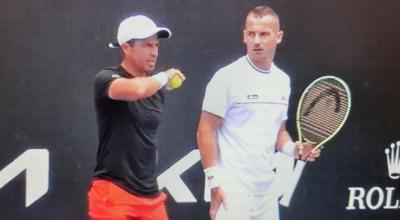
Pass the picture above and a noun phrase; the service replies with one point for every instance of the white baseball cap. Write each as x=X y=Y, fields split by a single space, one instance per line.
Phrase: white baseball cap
x=136 y=28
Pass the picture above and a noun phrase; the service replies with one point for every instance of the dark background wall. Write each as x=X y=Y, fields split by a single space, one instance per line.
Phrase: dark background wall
x=51 y=50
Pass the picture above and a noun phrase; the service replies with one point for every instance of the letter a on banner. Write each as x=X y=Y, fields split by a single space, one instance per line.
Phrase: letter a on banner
x=35 y=163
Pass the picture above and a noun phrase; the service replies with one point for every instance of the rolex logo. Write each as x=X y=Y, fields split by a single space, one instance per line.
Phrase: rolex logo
x=393 y=160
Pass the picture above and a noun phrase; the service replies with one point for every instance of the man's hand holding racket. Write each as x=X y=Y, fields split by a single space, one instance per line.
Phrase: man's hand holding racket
x=306 y=151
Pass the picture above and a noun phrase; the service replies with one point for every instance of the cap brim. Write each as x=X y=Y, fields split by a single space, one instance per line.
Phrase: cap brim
x=113 y=45
x=164 y=33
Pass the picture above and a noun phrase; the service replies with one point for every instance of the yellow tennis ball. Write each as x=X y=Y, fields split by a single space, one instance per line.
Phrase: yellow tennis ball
x=175 y=82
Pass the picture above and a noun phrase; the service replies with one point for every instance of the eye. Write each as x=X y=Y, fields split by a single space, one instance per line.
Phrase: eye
x=265 y=34
x=251 y=34
x=151 y=45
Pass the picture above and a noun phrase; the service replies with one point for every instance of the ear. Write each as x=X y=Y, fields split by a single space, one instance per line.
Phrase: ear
x=124 y=48
x=279 y=36
x=244 y=36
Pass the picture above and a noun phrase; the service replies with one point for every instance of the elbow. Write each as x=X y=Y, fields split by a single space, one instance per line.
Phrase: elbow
x=138 y=92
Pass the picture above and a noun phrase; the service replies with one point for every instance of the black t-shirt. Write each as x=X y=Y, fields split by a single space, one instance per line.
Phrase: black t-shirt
x=127 y=153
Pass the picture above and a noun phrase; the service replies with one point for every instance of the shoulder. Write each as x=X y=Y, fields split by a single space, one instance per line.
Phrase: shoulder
x=103 y=80
x=107 y=75
x=280 y=74
x=108 y=72
x=235 y=66
x=230 y=71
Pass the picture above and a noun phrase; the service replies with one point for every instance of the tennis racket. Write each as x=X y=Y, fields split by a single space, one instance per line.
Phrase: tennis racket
x=322 y=111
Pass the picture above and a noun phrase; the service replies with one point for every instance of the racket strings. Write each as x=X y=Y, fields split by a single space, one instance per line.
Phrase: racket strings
x=313 y=134
x=323 y=110
x=333 y=118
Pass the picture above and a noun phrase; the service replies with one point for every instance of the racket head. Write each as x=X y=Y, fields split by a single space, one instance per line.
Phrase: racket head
x=323 y=109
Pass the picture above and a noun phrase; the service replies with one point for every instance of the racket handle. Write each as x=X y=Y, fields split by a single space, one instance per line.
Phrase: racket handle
x=308 y=155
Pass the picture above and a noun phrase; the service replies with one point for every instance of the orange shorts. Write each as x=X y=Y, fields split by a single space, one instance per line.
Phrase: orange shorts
x=108 y=201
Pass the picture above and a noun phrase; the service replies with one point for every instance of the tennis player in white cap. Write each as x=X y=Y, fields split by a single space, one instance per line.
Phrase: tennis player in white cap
x=129 y=103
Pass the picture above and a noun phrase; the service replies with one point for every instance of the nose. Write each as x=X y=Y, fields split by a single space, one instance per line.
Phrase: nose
x=257 y=39
x=154 y=51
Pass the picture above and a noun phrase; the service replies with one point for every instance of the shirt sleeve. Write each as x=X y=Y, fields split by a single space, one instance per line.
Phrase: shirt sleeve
x=103 y=81
x=216 y=99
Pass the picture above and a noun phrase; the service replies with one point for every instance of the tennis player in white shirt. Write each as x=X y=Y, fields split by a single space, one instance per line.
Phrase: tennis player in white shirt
x=243 y=123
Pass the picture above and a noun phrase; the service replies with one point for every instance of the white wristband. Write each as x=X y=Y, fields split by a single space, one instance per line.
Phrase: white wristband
x=213 y=176
x=162 y=78
x=289 y=148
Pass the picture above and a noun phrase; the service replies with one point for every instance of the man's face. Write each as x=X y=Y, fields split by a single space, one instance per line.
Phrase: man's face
x=142 y=54
x=261 y=36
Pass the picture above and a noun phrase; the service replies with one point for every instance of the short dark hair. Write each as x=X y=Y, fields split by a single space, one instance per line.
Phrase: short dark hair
x=131 y=41
x=261 y=11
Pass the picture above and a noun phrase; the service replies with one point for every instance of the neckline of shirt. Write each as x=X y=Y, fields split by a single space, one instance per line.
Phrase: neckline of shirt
x=256 y=68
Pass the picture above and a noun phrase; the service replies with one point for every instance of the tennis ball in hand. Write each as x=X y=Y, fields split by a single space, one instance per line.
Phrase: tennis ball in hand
x=175 y=82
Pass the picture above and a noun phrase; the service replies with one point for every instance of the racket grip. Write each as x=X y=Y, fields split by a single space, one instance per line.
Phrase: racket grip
x=309 y=154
